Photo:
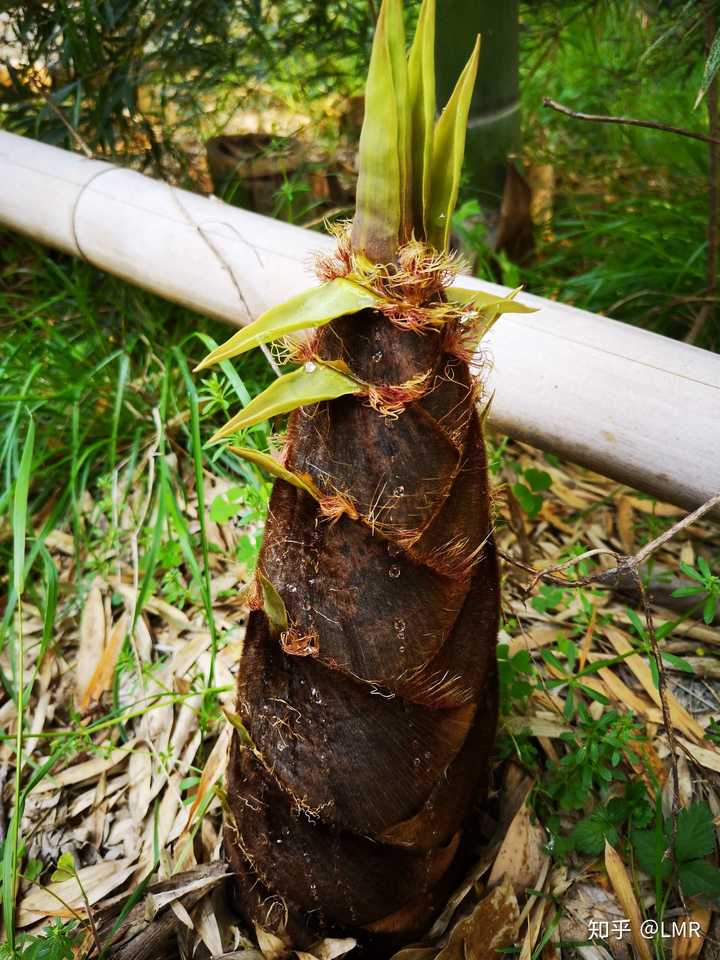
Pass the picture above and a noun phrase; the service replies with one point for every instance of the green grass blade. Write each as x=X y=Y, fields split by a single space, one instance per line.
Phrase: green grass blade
x=448 y=150
x=200 y=493
x=311 y=308
x=20 y=514
x=421 y=95
x=22 y=486
x=310 y=384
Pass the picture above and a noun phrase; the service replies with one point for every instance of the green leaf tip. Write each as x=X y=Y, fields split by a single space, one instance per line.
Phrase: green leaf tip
x=408 y=165
x=448 y=152
x=272 y=603
x=311 y=308
x=381 y=205
x=421 y=89
x=309 y=384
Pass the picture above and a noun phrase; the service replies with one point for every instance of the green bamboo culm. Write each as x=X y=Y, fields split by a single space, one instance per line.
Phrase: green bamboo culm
x=367 y=690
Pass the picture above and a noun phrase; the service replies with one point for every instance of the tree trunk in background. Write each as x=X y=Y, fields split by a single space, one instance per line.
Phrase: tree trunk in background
x=494 y=125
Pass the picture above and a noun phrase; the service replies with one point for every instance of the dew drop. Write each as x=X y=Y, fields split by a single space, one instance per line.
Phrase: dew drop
x=377 y=356
x=401 y=649
x=394 y=571
x=307 y=605
x=399 y=625
x=399 y=491
x=310 y=367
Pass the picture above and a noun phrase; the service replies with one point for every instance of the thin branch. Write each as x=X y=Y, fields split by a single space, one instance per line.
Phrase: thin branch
x=711 y=280
x=628 y=122
x=66 y=123
x=624 y=564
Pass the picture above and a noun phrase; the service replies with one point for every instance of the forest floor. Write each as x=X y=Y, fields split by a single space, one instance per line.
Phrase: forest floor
x=126 y=734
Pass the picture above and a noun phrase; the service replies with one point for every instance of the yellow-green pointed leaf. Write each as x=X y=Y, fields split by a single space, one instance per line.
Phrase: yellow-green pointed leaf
x=421 y=94
x=482 y=300
x=399 y=65
x=379 y=213
x=311 y=308
x=309 y=384
x=276 y=469
x=448 y=150
x=272 y=603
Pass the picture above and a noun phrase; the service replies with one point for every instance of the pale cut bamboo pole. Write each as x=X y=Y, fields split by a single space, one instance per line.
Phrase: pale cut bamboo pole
x=637 y=407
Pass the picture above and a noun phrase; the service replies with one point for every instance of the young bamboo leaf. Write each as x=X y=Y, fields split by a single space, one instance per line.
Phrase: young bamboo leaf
x=421 y=94
x=271 y=465
x=378 y=204
x=482 y=300
x=310 y=384
x=448 y=150
x=272 y=603
x=311 y=308
x=399 y=66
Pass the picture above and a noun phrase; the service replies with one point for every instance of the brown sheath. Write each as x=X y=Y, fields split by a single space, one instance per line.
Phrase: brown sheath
x=372 y=718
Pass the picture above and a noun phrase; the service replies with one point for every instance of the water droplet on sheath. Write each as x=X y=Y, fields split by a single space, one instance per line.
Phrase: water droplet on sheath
x=377 y=356
x=399 y=491
x=394 y=571
x=310 y=367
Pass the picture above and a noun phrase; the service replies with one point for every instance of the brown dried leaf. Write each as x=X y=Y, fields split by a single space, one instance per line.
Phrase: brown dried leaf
x=521 y=856
x=679 y=715
x=214 y=768
x=61 y=899
x=622 y=886
x=91 y=642
x=687 y=948
x=87 y=770
x=102 y=676
x=271 y=946
x=625 y=522
x=493 y=925
x=140 y=783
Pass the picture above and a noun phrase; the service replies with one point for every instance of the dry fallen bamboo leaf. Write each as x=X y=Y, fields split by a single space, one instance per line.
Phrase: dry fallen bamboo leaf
x=624 y=695
x=207 y=926
x=91 y=641
x=687 y=948
x=271 y=946
x=537 y=726
x=624 y=518
x=332 y=947
x=622 y=886
x=710 y=759
x=87 y=770
x=678 y=714
x=140 y=783
x=102 y=676
x=213 y=769
x=521 y=856
x=50 y=901
x=493 y=925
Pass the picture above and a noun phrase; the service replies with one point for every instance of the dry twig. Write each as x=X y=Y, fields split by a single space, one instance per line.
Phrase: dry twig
x=628 y=122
